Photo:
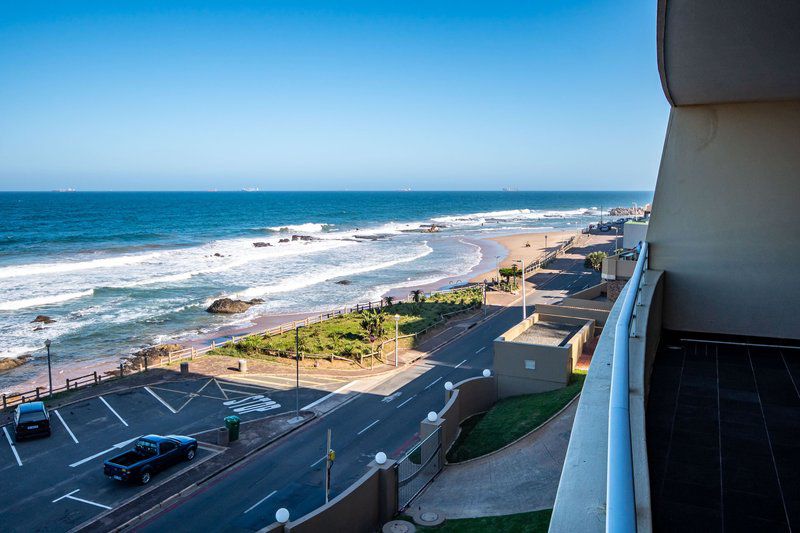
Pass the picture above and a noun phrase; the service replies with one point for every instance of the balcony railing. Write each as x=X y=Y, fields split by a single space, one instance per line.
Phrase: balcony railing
x=620 y=494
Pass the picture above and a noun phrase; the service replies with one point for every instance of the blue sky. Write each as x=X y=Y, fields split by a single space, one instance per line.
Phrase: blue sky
x=295 y=95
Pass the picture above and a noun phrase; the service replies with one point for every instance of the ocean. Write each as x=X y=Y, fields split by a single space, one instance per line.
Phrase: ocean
x=119 y=271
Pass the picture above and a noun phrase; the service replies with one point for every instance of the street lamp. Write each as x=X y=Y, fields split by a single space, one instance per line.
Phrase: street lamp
x=497 y=266
x=396 y=337
x=49 y=368
x=297 y=366
x=524 y=304
x=545 y=244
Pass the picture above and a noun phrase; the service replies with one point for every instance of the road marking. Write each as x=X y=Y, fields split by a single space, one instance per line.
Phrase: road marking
x=337 y=391
x=369 y=426
x=391 y=397
x=318 y=461
x=98 y=454
x=220 y=389
x=269 y=379
x=461 y=363
x=157 y=397
x=113 y=411
x=71 y=497
x=262 y=500
x=405 y=402
x=13 y=449
x=434 y=383
x=71 y=434
x=482 y=349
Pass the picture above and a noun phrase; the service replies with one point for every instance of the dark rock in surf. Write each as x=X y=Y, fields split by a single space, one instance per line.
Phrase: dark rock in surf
x=229 y=306
x=344 y=282
x=283 y=240
x=44 y=319
x=261 y=244
x=302 y=238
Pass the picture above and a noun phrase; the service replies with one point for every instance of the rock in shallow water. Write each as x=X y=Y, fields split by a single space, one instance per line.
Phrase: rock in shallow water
x=229 y=306
x=44 y=319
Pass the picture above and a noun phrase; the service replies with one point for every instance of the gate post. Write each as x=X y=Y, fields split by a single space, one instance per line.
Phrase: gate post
x=387 y=490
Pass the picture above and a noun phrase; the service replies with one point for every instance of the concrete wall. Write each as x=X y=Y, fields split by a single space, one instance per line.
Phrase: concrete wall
x=726 y=218
x=633 y=233
x=591 y=292
x=553 y=364
x=363 y=508
x=581 y=309
x=614 y=268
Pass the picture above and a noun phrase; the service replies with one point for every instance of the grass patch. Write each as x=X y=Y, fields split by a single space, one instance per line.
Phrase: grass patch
x=510 y=419
x=533 y=522
x=344 y=335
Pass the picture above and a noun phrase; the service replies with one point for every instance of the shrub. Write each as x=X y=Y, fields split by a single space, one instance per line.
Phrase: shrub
x=595 y=260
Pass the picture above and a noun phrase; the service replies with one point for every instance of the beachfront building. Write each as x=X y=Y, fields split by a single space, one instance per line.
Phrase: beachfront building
x=690 y=414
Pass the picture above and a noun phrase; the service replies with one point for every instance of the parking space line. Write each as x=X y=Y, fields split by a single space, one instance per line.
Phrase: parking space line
x=220 y=389
x=247 y=392
x=189 y=394
x=266 y=379
x=461 y=363
x=337 y=391
x=369 y=426
x=262 y=500
x=98 y=454
x=157 y=397
x=318 y=461
x=113 y=411
x=71 y=434
x=71 y=497
x=204 y=386
x=482 y=349
x=13 y=448
x=245 y=385
x=434 y=383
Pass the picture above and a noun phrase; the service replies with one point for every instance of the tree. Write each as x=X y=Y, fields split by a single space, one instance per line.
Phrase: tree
x=388 y=300
x=372 y=324
x=594 y=260
x=416 y=295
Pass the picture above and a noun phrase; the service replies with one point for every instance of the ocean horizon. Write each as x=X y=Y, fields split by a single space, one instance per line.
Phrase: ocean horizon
x=119 y=271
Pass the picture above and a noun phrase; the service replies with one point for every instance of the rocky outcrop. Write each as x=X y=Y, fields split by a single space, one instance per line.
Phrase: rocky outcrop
x=626 y=211
x=7 y=363
x=283 y=240
x=229 y=306
x=344 y=282
x=302 y=238
x=43 y=319
x=261 y=244
x=152 y=354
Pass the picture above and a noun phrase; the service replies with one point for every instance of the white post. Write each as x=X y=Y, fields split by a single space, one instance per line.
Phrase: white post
x=396 y=338
x=328 y=468
x=524 y=302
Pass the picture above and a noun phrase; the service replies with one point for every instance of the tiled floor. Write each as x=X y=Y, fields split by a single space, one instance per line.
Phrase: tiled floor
x=723 y=431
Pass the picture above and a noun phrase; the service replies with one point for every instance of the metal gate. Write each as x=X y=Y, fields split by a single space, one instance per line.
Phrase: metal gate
x=418 y=467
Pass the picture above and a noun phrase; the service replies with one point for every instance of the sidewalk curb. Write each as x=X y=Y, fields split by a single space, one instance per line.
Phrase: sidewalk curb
x=187 y=490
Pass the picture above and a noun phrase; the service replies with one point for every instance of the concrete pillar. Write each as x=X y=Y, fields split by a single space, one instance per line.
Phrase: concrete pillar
x=184 y=368
x=387 y=492
x=243 y=366
x=222 y=436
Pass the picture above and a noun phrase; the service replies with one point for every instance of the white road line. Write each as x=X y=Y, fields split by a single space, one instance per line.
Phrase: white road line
x=405 y=402
x=461 y=363
x=157 y=397
x=65 y=495
x=369 y=426
x=337 y=391
x=220 y=389
x=98 y=454
x=318 y=461
x=480 y=350
x=434 y=383
x=245 y=392
x=71 y=434
x=262 y=500
x=13 y=449
x=71 y=497
x=113 y=411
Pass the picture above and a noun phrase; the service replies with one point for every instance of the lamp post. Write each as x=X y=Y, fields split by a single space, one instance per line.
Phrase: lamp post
x=396 y=337
x=524 y=303
x=545 y=244
x=497 y=266
x=297 y=367
x=49 y=368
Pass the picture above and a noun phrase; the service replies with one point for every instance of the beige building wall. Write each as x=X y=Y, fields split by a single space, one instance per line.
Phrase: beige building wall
x=725 y=225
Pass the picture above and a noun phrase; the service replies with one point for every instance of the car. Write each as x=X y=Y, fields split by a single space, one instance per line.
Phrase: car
x=150 y=454
x=31 y=420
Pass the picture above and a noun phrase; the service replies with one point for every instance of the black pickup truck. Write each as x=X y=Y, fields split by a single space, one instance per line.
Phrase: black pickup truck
x=149 y=455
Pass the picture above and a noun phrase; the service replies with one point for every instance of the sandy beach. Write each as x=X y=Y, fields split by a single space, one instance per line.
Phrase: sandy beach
x=527 y=246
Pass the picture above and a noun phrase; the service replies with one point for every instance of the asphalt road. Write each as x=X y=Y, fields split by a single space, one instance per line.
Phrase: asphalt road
x=290 y=473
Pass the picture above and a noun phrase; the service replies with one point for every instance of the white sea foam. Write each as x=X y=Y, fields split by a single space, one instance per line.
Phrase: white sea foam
x=43 y=300
x=39 y=269
x=512 y=215
x=308 y=227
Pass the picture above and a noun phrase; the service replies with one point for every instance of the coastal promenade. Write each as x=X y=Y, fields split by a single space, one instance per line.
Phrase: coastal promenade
x=386 y=418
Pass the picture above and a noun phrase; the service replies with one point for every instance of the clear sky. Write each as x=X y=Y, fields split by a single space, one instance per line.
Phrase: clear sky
x=547 y=94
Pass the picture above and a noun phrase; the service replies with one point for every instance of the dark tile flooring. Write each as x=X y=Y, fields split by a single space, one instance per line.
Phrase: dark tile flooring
x=723 y=432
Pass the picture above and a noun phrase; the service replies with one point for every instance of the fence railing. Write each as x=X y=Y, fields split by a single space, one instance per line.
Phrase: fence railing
x=418 y=467
x=620 y=494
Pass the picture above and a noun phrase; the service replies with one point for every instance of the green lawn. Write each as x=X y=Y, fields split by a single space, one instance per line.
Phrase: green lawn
x=344 y=336
x=533 y=522
x=510 y=419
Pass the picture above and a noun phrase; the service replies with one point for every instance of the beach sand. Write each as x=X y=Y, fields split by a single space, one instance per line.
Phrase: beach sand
x=515 y=246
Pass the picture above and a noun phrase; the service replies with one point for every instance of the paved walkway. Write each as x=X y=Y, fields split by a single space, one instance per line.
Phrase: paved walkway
x=523 y=477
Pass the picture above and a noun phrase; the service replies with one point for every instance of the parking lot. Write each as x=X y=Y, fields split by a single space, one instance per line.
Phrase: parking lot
x=57 y=483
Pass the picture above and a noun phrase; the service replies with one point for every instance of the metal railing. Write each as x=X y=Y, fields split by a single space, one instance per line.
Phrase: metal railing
x=620 y=494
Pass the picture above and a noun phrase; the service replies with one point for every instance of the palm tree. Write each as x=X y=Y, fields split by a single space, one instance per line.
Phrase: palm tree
x=416 y=295
x=388 y=300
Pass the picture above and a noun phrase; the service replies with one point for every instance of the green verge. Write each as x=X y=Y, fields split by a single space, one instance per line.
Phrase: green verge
x=510 y=419
x=533 y=522
x=344 y=336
